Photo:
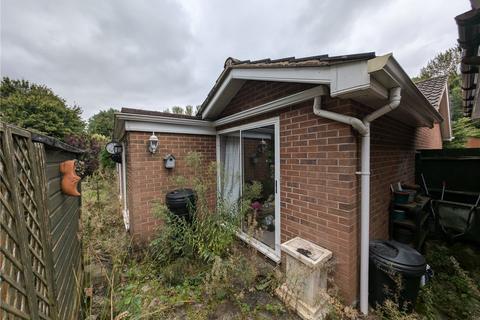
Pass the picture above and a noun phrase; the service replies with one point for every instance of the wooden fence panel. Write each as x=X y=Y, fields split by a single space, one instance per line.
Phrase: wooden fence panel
x=35 y=283
x=23 y=163
x=13 y=288
x=64 y=214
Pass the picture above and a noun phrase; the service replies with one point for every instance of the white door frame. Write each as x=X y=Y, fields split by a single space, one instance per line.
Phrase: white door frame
x=263 y=248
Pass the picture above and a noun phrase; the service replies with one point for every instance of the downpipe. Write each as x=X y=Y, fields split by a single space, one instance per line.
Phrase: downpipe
x=363 y=127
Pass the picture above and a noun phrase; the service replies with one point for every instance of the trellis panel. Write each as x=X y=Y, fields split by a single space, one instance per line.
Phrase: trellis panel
x=13 y=288
x=28 y=283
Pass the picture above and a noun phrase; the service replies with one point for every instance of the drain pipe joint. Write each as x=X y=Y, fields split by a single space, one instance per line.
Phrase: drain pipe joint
x=357 y=124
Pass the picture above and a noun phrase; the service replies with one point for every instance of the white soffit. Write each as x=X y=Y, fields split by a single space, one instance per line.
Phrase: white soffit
x=341 y=78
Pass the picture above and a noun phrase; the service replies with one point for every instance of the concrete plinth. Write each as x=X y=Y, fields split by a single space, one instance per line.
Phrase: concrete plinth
x=306 y=278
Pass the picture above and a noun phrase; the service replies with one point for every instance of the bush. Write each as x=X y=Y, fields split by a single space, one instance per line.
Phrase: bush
x=92 y=145
x=452 y=291
x=212 y=230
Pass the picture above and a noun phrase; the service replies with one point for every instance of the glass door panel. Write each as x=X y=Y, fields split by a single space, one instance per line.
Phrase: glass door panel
x=258 y=161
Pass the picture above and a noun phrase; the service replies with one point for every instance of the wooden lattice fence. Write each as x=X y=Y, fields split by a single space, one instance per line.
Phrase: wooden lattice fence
x=30 y=286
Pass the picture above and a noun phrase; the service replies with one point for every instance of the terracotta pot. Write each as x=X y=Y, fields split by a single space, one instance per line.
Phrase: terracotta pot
x=69 y=178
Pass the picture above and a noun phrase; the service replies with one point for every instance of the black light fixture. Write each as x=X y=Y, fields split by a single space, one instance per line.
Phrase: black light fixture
x=114 y=147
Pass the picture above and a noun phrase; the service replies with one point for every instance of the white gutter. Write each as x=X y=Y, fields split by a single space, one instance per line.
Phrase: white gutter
x=363 y=127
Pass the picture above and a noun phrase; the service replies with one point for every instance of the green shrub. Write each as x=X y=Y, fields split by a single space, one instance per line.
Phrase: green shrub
x=212 y=230
x=452 y=291
x=230 y=277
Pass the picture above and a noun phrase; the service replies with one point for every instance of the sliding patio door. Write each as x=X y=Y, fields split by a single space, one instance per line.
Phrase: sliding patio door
x=248 y=157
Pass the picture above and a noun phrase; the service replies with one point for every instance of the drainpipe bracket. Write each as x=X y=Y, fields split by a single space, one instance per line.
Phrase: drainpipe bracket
x=362 y=173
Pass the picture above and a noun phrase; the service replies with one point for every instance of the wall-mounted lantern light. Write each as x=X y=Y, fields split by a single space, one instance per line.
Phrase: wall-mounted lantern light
x=117 y=149
x=153 y=143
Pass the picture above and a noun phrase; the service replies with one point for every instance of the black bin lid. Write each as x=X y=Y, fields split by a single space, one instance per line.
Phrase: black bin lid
x=180 y=193
x=397 y=255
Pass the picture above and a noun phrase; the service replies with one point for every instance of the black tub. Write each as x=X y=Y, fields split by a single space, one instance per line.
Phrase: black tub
x=181 y=202
x=390 y=260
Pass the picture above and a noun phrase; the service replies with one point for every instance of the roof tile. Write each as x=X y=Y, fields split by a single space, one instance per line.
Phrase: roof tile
x=433 y=89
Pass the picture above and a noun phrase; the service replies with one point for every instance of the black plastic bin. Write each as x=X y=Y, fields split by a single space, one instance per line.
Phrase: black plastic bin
x=389 y=261
x=181 y=202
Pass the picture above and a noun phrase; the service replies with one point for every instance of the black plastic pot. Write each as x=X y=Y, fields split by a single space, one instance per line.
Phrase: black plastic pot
x=391 y=260
x=181 y=202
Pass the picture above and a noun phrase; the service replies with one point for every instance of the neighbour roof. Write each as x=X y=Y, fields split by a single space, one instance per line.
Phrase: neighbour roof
x=433 y=89
x=289 y=62
x=55 y=143
x=158 y=113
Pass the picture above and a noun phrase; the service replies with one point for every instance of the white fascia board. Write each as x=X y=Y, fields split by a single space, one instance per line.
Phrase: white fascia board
x=446 y=125
x=320 y=75
x=118 y=127
x=349 y=77
x=162 y=119
x=228 y=89
x=412 y=93
x=274 y=105
x=158 y=127
x=148 y=123
x=342 y=78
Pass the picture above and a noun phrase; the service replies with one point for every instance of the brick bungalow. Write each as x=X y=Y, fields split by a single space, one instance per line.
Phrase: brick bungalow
x=307 y=130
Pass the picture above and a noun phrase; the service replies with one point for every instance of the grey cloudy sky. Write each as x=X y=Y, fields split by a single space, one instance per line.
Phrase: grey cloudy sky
x=156 y=54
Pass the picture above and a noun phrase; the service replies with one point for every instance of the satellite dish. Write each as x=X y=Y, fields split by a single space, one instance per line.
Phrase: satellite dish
x=113 y=147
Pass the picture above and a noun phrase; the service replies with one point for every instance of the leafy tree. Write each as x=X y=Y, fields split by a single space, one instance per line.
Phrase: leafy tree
x=102 y=122
x=189 y=110
x=462 y=129
x=38 y=108
x=446 y=63
x=177 y=110
x=92 y=145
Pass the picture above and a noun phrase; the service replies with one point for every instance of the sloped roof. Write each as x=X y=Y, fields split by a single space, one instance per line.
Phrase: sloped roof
x=289 y=62
x=433 y=89
x=311 y=61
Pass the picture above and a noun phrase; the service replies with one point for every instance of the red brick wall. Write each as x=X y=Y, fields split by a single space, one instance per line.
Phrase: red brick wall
x=392 y=161
x=319 y=188
x=427 y=138
x=472 y=142
x=147 y=179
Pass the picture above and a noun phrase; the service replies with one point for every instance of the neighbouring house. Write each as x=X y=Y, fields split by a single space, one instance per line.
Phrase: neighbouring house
x=436 y=91
x=325 y=136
